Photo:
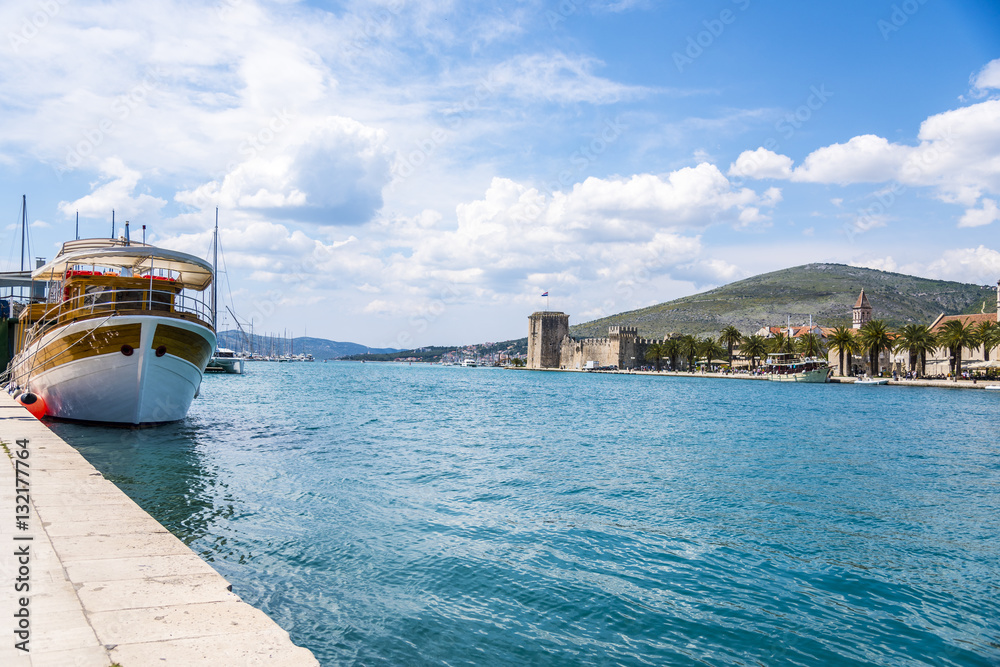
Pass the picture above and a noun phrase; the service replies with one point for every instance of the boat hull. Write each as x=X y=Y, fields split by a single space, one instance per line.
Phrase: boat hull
x=128 y=370
x=815 y=376
x=230 y=365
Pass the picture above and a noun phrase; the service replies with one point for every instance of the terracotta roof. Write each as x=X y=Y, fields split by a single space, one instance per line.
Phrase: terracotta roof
x=973 y=319
x=862 y=301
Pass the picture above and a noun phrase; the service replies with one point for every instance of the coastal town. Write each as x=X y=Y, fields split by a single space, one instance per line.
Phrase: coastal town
x=955 y=346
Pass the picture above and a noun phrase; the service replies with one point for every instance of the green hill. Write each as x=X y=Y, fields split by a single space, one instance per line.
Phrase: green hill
x=825 y=291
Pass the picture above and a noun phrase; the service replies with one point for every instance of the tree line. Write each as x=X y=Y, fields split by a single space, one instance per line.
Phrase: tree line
x=871 y=340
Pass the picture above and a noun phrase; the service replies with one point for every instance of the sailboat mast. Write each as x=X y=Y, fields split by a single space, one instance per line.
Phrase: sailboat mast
x=215 y=269
x=24 y=225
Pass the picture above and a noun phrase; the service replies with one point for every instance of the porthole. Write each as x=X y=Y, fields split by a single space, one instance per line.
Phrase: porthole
x=162 y=350
x=127 y=350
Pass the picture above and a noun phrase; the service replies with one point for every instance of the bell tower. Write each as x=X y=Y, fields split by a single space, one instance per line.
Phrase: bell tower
x=863 y=310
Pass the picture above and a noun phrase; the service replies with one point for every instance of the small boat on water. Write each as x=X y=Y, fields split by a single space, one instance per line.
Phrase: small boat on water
x=225 y=361
x=121 y=334
x=469 y=363
x=864 y=380
x=788 y=367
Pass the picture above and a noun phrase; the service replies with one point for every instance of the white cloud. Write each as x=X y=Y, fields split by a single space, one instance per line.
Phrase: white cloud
x=559 y=78
x=977 y=217
x=956 y=156
x=116 y=194
x=979 y=265
x=328 y=171
x=761 y=163
x=988 y=77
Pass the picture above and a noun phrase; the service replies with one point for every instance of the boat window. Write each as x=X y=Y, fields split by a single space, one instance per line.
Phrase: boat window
x=131 y=298
x=96 y=296
x=161 y=300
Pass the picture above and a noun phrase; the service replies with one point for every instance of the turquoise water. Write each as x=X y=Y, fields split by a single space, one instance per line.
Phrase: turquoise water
x=392 y=514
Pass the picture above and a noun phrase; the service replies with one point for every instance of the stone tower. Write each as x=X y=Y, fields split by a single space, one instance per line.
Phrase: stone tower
x=623 y=340
x=863 y=311
x=546 y=331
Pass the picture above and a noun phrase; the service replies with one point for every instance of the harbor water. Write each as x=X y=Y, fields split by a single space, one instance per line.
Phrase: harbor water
x=387 y=514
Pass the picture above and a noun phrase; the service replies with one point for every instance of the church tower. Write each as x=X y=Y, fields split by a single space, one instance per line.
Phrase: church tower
x=862 y=311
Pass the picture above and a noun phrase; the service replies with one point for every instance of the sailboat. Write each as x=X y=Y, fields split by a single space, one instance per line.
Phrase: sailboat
x=223 y=360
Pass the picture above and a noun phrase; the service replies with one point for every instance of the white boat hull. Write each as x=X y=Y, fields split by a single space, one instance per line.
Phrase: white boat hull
x=109 y=386
x=229 y=365
x=816 y=376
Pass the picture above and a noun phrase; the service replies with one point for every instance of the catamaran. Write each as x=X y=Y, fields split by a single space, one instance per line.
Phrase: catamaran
x=122 y=334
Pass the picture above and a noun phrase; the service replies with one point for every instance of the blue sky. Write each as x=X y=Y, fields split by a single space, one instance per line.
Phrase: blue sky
x=405 y=173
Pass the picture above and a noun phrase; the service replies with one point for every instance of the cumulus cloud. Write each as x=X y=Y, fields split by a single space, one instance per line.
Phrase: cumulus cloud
x=116 y=193
x=956 y=156
x=602 y=235
x=330 y=171
x=760 y=164
x=973 y=265
x=977 y=217
x=988 y=77
x=979 y=265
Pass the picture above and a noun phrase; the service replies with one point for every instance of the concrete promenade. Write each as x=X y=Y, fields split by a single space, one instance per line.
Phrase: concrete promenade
x=944 y=384
x=90 y=579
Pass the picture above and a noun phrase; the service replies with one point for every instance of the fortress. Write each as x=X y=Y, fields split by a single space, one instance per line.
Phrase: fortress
x=551 y=346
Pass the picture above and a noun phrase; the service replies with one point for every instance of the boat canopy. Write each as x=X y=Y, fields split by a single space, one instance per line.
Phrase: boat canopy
x=192 y=272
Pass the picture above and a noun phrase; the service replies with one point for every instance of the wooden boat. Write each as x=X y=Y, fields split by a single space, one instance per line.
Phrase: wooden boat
x=121 y=335
x=788 y=367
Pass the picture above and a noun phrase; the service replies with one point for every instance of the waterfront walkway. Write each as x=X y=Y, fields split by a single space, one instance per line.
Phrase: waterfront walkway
x=946 y=384
x=107 y=584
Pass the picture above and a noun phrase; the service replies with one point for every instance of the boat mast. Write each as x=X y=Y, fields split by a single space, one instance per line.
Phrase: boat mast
x=215 y=268
x=24 y=225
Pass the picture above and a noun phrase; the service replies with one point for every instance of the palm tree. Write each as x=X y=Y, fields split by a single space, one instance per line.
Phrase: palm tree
x=955 y=335
x=730 y=337
x=917 y=340
x=654 y=353
x=988 y=335
x=671 y=350
x=875 y=338
x=843 y=341
x=782 y=343
x=755 y=347
x=710 y=349
x=810 y=345
x=689 y=349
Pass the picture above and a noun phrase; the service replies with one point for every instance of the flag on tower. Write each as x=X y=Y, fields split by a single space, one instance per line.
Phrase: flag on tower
x=545 y=293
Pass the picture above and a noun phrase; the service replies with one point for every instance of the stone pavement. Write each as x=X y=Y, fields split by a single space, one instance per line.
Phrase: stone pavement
x=105 y=582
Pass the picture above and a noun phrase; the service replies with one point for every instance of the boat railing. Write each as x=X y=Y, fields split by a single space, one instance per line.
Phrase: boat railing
x=111 y=301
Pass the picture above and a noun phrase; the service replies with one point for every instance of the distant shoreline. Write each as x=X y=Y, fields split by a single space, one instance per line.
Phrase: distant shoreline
x=944 y=384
